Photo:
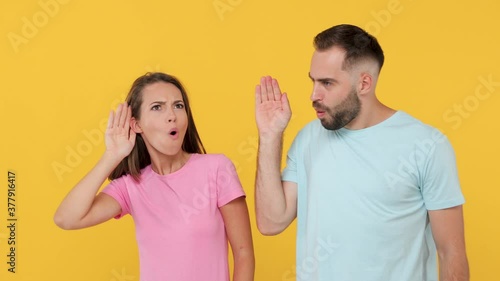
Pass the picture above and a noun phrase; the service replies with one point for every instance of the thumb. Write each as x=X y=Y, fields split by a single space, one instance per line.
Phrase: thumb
x=285 y=104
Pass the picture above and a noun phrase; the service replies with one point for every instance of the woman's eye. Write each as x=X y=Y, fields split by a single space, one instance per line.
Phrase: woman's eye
x=179 y=106
x=156 y=107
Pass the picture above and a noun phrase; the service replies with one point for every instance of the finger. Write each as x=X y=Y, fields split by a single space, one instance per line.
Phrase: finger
x=258 y=97
x=276 y=90
x=269 y=88
x=263 y=89
x=116 y=119
x=110 y=119
x=127 y=119
x=123 y=115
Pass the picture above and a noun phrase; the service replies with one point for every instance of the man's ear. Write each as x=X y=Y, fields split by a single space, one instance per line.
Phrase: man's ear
x=365 y=83
x=134 y=125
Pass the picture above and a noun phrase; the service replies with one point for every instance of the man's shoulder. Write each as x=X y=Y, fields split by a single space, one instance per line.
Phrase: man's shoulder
x=409 y=123
x=410 y=130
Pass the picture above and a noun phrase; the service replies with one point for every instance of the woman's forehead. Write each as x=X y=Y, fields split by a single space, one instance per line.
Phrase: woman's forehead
x=161 y=91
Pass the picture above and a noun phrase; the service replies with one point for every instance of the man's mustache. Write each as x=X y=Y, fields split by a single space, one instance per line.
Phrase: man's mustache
x=318 y=106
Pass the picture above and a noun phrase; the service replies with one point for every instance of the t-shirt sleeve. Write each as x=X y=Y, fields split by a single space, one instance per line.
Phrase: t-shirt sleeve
x=440 y=185
x=118 y=190
x=227 y=182
x=290 y=171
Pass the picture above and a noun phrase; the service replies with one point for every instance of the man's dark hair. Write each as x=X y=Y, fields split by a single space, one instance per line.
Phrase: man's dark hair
x=357 y=43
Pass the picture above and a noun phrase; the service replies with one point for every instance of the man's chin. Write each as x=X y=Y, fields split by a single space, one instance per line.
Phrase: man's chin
x=327 y=125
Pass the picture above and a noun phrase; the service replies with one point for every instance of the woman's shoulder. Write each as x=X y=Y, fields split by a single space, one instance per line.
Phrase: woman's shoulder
x=128 y=179
x=211 y=158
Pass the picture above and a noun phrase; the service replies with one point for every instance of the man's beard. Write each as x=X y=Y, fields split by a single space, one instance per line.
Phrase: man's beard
x=341 y=114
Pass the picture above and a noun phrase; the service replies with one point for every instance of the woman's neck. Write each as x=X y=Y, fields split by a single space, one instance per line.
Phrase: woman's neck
x=167 y=164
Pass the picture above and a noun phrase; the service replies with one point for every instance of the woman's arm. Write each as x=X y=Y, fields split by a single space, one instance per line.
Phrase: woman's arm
x=239 y=233
x=81 y=207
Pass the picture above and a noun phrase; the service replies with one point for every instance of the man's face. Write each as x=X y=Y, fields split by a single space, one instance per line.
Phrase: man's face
x=334 y=95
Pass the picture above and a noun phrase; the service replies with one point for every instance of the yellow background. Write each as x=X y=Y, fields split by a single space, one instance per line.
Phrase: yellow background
x=64 y=65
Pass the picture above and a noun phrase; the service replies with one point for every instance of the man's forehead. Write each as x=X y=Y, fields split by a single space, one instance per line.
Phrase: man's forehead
x=331 y=57
x=333 y=52
x=327 y=64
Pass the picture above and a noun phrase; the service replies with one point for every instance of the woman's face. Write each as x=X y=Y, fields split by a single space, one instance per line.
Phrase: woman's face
x=163 y=119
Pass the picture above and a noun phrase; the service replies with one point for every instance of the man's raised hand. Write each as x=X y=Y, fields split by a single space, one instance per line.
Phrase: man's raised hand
x=272 y=109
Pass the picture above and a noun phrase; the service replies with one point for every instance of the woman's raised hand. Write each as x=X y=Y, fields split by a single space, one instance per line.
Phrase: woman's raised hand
x=119 y=137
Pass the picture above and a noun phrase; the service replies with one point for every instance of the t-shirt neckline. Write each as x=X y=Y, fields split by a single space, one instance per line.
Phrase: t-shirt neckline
x=370 y=129
x=180 y=171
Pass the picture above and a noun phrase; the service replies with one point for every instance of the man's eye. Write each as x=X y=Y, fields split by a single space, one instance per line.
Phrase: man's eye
x=327 y=83
x=156 y=107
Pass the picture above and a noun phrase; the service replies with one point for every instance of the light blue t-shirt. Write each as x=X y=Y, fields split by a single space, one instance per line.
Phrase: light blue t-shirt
x=363 y=197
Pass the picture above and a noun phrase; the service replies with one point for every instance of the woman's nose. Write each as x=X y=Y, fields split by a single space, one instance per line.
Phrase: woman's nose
x=171 y=116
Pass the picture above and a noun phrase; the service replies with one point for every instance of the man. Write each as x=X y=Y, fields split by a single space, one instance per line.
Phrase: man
x=374 y=190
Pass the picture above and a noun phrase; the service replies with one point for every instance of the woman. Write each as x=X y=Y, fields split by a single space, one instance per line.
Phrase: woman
x=186 y=204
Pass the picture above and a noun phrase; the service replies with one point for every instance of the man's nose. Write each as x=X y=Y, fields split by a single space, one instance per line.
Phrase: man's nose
x=316 y=93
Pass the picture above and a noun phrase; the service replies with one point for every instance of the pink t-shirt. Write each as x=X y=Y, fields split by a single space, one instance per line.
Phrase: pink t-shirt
x=179 y=228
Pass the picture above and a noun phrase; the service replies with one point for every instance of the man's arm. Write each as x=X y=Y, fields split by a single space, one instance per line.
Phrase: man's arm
x=448 y=232
x=275 y=202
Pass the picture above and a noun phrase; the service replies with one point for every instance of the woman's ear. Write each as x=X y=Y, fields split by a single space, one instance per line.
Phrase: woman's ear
x=134 y=125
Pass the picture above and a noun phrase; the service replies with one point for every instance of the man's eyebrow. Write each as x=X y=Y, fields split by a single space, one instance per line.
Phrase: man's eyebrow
x=331 y=80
